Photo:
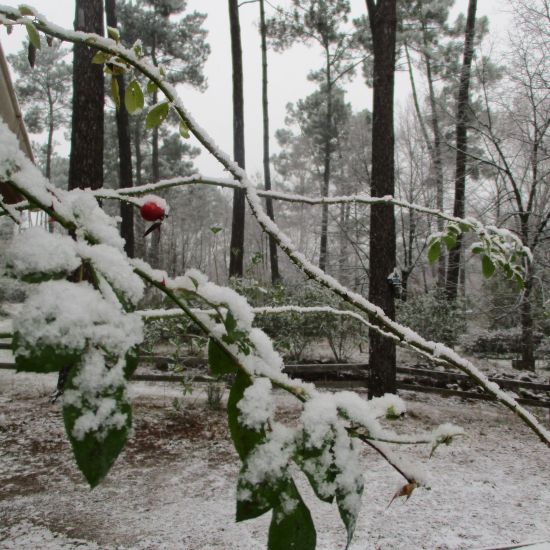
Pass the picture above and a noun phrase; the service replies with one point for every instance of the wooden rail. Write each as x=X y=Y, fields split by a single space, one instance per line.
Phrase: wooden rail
x=355 y=375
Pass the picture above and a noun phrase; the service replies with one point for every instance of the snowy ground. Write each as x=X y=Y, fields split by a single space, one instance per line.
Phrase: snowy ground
x=174 y=486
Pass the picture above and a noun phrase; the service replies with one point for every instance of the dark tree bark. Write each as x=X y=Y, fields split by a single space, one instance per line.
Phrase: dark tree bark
x=437 y=154
x=526 y=318
x=323 y=247
x=49 y=142
x=453 y=267
x=383 y=23
x=124 y=149
x=236 y=247
x=273 y=259
x=140 y=249
x=154 y=249
x=86 y=159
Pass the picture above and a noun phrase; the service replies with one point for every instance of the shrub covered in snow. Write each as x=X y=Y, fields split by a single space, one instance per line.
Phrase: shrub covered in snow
x=296 y=335
x=503 y=341
x=433 y=316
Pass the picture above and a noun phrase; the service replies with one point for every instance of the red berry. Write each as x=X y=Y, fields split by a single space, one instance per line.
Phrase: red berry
x=152 y=212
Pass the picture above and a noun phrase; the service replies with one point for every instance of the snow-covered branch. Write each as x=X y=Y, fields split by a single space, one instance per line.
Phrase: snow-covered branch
x=441 y=353
x=492 y=238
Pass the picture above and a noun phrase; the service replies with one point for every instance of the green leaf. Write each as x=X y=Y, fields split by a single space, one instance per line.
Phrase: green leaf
x=133 y=98
x=216 y=230
x=254 y=500
x=34 y=37
x=112 y=68
x=151 y=87
x=291 y=525
x=230 y=324
x=41 y=358
x=115 y=92
x=114 y=34
x=26 y=10
x=219 y=360
x=391 y=413
x=34 y=278
x=520 y=281
x=477 y=249
x=157 y=115
x=317 y=463
x=349 y=517
x=450 y=241
x=244 y=438
x=453 y=229
x=434 y=251
x=465 y=227
x=100 y=57
x=31 y=55
x=97 y=450
x=184 y=130
x=487 y=266
x=132 y=362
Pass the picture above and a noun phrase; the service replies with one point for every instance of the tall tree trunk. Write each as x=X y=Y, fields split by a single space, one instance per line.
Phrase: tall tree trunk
x=140 y=249
x=383 y=24
x=273 y=259
x=437 y=156
x=526 y=319
x=323 y=248
x=154 y=250
x=236 y=246
x=49 y=143
x=124 y=149
x=453 y=267
x=86 y=159
x=49 y=151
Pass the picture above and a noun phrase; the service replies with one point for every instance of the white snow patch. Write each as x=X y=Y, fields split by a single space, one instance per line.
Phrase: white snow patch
x=35 y=251
x=257 y=405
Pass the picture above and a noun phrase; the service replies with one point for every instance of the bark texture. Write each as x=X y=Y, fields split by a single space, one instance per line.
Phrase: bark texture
x=124 y=149
x=383 y=24
x=453 y=268
x=236 y=256
x=86 y=159
x=273 y=259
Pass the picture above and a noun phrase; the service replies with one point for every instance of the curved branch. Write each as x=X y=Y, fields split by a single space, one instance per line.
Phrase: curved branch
x=437 y=351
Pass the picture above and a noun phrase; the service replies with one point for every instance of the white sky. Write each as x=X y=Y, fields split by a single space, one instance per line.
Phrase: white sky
x=287 y=72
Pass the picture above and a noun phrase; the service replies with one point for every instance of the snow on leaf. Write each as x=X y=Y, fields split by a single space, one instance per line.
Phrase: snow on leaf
x=40 y=255
x=291 y=525
x=97 y=414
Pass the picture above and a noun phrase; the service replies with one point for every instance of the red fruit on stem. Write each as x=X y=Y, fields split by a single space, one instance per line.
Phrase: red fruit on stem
x=152 y=212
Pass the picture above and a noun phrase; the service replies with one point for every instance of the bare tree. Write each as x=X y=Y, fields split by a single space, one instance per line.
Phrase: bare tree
x=515 y=132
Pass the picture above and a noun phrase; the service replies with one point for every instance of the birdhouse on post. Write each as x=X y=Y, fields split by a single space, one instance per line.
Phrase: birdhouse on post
x=11 y=115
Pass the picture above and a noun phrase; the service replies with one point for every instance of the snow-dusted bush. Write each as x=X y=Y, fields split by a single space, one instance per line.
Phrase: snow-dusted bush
x=433 y=316
x=503 y=341
x=296 y=335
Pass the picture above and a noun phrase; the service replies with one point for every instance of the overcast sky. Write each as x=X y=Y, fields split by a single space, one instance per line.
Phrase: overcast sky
x=287 y=71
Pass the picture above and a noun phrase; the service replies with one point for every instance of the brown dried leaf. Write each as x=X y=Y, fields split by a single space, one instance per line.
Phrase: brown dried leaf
x=405 y=491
